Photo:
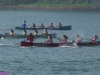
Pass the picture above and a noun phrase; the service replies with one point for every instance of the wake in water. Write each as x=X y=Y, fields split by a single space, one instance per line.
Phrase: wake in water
x=73 y=45
x=9 y=44
x=2 y=37
x=1 y=44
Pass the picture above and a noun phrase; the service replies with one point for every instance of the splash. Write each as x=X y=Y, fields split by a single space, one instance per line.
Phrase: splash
x=2 y=37
x=74 y=45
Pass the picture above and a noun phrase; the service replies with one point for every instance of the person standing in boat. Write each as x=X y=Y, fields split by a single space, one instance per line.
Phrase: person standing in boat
x=50 y=40
x=64 y=39
x=35 y=32
x=31 y=38
x=24 y=32
x=33 y=26
x=94 y=39
x=79 y=39
x=11 y=32
x=45 y=32
x=24 y=24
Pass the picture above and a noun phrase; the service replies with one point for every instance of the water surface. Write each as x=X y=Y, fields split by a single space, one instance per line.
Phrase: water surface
x=50 y=61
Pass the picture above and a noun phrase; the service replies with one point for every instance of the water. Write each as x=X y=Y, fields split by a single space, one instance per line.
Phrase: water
x=50 y=61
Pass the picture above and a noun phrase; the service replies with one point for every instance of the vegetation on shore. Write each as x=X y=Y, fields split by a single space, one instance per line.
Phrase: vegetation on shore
x=18 y=2
x=48 y=4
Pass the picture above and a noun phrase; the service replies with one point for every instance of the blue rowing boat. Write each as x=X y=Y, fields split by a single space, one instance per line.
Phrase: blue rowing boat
x=69 y=27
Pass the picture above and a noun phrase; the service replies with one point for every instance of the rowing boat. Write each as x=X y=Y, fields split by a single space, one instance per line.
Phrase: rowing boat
x=25 y=36
x=69 y=27
x=24 y=43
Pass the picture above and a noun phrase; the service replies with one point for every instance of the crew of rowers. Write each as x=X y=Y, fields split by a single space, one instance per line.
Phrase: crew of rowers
x=41 y=26
x=34 y=33
x=64 y=39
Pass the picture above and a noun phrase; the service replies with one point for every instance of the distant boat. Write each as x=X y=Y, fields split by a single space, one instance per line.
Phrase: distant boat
x=69 y=27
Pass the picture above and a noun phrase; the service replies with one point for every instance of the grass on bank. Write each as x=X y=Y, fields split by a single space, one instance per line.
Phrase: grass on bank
x=58 y=5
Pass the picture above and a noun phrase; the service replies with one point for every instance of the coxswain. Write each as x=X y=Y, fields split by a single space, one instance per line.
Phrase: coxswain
x=24 y=24
x=11 y=32
x=31 y=38
x=79 y=39
x=94 y=39
x=50 y=40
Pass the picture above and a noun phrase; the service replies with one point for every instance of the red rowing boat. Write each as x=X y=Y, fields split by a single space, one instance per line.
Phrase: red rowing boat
x=24 y=43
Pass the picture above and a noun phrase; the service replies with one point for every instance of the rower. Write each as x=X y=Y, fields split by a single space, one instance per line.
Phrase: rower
x=31 y=38
x=24 y=24
x=33 y=26
x=24 y=32
x=59 y=25
x=50 y=26
x=35 y=32
x=11 y=32
x=93 y=39
x=50 y=40
x=64 y=39
x=45 y=32
x=79 y=39
x=41 y=26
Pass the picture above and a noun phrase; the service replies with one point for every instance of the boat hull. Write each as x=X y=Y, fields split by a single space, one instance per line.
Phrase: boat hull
x=23 y=43
x=69 y=27
x=25 y=36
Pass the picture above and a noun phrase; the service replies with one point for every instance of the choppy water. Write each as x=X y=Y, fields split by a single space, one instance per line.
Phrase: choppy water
x=50 y=61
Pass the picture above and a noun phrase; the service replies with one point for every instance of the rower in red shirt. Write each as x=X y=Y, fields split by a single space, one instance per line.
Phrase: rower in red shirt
x=30 y=38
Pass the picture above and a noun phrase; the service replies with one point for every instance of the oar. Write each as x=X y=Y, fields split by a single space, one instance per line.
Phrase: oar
x=16 y=43
x=7 y=29
x=20 y=42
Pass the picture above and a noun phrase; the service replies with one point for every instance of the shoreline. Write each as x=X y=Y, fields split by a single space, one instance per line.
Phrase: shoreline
x=22 y=7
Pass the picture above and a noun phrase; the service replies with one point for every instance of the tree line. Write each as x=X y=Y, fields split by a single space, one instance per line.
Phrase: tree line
x=18 y=2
